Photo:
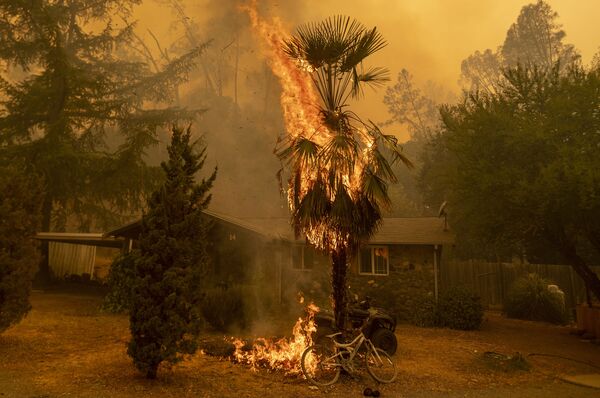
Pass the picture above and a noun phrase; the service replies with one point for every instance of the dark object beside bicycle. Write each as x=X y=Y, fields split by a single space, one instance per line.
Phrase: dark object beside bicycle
x=379 y=329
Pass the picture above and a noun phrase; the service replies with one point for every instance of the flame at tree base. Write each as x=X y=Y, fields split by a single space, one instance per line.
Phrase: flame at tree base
x=283 y=354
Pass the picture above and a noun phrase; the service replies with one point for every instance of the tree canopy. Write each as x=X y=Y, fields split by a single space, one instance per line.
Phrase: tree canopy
x=519 y=167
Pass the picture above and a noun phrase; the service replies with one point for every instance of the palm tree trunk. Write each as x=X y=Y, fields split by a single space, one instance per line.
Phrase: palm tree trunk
x=338 y=283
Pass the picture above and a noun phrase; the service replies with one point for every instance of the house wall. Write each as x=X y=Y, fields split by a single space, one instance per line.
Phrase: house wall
x=409 y=282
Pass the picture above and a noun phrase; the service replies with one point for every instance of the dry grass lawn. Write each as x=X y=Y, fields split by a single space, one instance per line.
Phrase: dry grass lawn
x=67 y=347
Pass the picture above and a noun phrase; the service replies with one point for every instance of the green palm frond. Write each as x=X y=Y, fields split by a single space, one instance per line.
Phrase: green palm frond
x=340 y=153
x=341 y=207
x=326 y=42
x=381 y=167
x=374 y=77
x=391 y=143
x=375 y=188
x=366 y=44
x=306 y=151
x=314 y=206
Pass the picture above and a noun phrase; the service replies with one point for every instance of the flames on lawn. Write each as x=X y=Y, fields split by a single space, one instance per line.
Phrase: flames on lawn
x=282 y=354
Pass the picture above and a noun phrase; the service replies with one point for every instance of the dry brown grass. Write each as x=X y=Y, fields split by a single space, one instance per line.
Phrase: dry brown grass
x=66 y=347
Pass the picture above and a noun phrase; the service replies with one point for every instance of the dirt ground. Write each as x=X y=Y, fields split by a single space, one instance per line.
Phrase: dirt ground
x=67 y=348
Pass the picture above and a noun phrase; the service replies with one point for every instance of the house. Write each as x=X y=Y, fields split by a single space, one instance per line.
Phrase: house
x=264 y=253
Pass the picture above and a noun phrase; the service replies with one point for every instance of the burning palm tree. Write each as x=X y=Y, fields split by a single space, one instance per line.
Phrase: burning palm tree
x=339 y=165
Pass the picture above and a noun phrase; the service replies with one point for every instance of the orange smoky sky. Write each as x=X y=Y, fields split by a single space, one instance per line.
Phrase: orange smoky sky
x=430 y=38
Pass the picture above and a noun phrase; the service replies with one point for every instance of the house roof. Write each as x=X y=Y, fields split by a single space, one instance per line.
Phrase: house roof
x=132 y=229
x=415 y=231
x=393 y=230
x=91 y=239
x=412 y=231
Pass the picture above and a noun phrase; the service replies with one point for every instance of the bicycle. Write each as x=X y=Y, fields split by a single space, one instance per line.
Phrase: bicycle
x=322 y=364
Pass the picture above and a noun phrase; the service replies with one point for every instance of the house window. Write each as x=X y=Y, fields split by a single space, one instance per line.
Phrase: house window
x=374 y=260
x=303 y=257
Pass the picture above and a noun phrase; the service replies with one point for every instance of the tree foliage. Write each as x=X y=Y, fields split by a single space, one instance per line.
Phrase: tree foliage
x=19 y=210
x=74 y=94
x=165 y=313
x=340 y=173
x=408 y=105
x=535 y=39
x=120 y=281
x=520 y=170
x=529 y=298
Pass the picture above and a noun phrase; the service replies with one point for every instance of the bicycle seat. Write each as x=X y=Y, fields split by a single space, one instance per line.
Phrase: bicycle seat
x=331 y=336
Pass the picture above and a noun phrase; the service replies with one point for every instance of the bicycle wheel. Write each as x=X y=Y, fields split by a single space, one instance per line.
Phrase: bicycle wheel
x=380 y=366
x=320 y=365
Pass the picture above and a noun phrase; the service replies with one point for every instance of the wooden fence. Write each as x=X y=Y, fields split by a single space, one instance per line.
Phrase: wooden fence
x=492 y=280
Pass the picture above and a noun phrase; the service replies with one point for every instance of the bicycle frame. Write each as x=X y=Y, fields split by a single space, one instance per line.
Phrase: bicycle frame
x=343 y=357
x=352 y=347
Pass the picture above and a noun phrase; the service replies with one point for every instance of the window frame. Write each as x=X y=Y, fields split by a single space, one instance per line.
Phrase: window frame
x=303 y=267
x=371 y=249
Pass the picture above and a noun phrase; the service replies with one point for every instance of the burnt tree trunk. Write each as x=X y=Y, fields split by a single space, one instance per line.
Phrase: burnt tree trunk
x=338 y=286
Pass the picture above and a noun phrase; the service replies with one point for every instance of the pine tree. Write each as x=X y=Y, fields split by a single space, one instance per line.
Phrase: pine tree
x=72 y=96
x=165 y=315
x=19 y=209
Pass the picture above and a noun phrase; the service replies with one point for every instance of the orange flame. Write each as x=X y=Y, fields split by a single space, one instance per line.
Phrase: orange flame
x=298 y=96
x=283 y=354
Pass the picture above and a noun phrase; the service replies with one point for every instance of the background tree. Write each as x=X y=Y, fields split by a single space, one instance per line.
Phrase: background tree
x=74 y=95
x=520 y=171
x=416 y=110
x=536 y=38
x=19 y=211
x=165 y=314
x=407 y=105
x=339 y=173
x=482 y=71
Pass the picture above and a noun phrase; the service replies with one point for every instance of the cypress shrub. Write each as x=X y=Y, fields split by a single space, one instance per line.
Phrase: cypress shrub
x=120 y=281
x=165 y=318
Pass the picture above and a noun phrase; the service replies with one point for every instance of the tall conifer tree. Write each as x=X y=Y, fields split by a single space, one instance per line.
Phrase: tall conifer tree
x=72 y=95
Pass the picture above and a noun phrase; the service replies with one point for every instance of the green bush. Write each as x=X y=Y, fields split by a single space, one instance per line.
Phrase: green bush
x=459 y=308
x=120 y=281
x=20 y=199
x=424 y=312
x=226 y=309
x=529 y=298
